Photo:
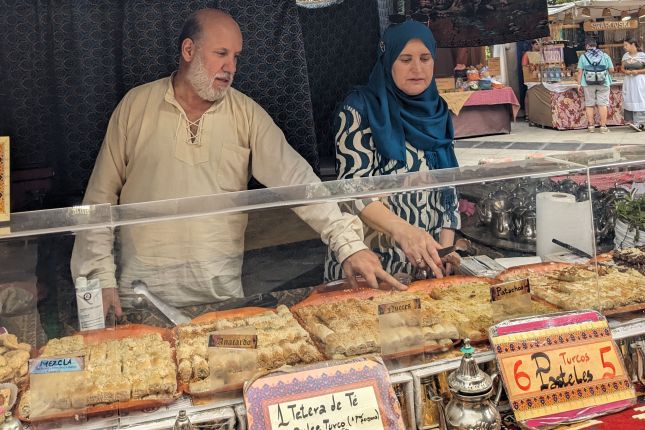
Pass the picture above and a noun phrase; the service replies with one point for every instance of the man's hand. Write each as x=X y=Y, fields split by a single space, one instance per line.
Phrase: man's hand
x=111 y=299
x=419 y=247
x=368 y=265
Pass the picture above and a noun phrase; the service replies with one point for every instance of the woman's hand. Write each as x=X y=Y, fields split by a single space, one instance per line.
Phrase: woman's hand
x=367 y=264
x=419 y=247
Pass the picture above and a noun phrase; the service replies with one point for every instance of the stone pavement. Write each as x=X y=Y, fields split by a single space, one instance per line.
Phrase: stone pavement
x=524 y=141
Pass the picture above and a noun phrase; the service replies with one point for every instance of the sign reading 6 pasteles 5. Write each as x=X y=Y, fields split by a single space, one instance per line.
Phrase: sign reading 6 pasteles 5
x=557 y=373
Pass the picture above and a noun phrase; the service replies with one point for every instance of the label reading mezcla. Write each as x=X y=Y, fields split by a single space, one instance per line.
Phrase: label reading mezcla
x=244 y=341
x=42 y=366
x=509 y=289
x=402 y=306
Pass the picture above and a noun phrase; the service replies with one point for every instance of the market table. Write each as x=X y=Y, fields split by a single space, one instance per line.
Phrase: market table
x=561 y=107
x=481 y=113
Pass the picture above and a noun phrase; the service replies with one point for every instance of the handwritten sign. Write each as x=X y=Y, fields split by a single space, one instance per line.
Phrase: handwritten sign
x=610 y=25
x=402 y=306
x=494 y=66
x=352 y=395
x=42 y=366
x=245 y=341
x=5 y=209
x=511 y=300
x=509 y=289
x=349 y=409
x=556 y=373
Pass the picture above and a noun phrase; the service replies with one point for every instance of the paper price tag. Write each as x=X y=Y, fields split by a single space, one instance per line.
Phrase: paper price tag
x=402 y=306
x=400 y=326
x=42 y=366
x=509 y=289
x=511 y=299
x=243 y=341
x=232 y=358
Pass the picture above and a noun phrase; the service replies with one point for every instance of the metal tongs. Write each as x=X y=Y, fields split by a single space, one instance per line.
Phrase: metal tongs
x=172 y=313
x=461 y=245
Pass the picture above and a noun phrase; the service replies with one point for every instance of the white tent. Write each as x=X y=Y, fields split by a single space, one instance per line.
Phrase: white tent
x=595 y=8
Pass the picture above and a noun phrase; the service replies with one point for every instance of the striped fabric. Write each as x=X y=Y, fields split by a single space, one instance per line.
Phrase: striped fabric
x=431 y=211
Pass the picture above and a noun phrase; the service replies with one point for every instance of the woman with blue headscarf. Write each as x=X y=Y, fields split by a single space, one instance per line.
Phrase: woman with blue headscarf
x=398 y=123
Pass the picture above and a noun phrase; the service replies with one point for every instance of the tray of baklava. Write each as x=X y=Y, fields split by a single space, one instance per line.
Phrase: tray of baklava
x=344 y=321
x=280 y=340
x=610 y=289
x=129 y=367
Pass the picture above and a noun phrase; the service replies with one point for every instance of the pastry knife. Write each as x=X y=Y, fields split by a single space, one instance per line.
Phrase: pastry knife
x=172 y=313
x=573 y=249
x=460 y=245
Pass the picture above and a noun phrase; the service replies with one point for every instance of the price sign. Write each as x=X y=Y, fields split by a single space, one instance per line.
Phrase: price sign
x=354 y=395
x=562 y=369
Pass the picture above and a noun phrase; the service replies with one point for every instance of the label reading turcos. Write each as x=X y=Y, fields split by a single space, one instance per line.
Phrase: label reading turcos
x=244 y=341
x=509 y=289
x=42 y=366
x=402 y=306
x=355 y=409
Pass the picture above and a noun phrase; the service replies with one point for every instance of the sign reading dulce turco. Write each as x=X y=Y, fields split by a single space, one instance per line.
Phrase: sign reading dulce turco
x=351 y=395
x=610 y=25
x=561 y=367
x=401 y=306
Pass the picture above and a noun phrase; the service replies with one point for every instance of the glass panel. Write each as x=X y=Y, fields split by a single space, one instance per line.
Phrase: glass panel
x=269 y=261
x=618 y=201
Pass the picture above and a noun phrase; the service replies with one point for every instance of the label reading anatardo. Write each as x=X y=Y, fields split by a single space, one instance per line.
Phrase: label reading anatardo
x=244 y=341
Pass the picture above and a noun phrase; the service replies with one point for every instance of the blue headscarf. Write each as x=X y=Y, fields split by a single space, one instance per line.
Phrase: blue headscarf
x=395 y=117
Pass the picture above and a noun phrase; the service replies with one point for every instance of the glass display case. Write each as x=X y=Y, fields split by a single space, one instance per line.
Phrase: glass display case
x=198 y=278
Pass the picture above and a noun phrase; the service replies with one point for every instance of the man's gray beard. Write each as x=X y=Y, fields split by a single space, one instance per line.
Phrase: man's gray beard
x=202 y=83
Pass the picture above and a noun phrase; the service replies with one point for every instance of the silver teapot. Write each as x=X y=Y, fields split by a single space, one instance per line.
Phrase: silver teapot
x=528 y=229
x=471 y=407
x=501 y=224
x=485 y=210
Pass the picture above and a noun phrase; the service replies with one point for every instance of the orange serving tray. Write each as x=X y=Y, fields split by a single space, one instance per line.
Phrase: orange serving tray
x=97 y=336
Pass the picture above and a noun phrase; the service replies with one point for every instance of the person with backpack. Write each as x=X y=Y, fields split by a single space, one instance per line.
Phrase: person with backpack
x=594 y=76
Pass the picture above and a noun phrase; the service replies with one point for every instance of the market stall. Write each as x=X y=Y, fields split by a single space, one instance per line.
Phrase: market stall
x=483 y=112
x=553 y=97
x=163 y=358
x=561 y=106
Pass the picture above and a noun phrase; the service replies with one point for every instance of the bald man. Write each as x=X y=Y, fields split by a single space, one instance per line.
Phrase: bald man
x=192 y=134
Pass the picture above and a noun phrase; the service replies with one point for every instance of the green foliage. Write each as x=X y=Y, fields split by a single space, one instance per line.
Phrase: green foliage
x=632 y=212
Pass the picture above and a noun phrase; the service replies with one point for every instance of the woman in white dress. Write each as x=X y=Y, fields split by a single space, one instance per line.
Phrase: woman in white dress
x=634 y=85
